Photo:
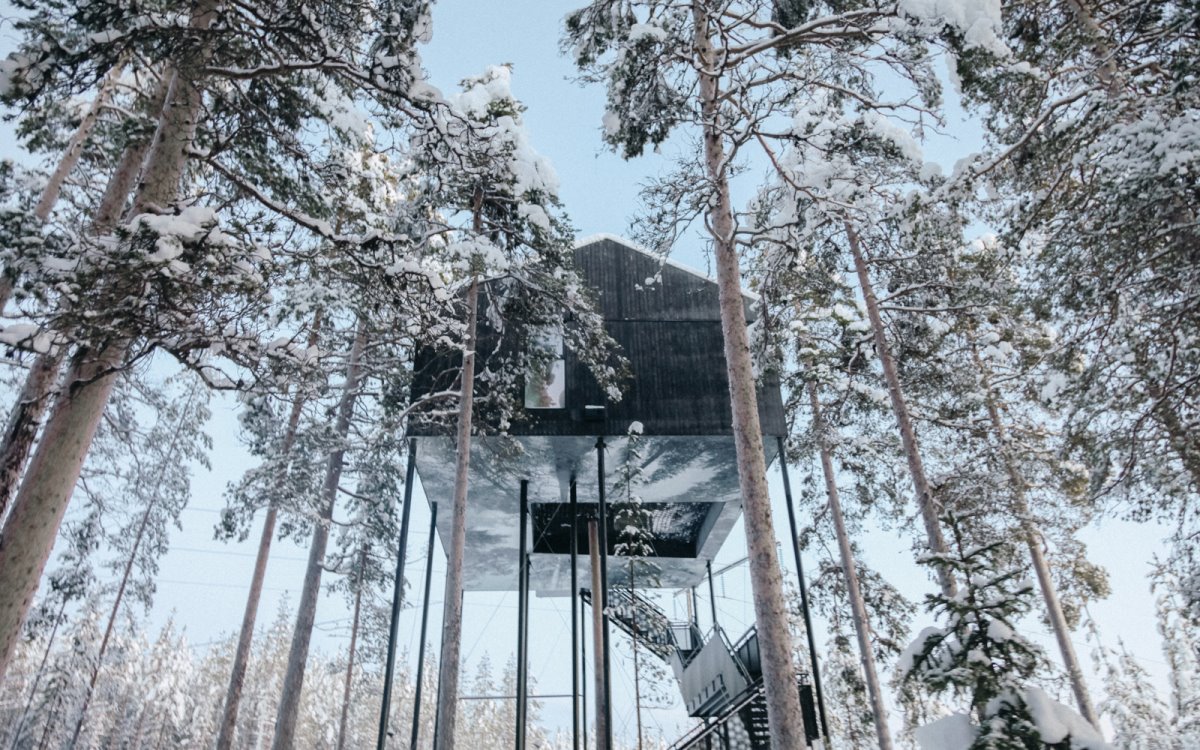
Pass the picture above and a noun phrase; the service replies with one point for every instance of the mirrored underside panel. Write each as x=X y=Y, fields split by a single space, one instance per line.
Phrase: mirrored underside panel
x=689 y=487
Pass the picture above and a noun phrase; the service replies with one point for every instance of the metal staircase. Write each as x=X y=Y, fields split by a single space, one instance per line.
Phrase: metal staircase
x=721 y=682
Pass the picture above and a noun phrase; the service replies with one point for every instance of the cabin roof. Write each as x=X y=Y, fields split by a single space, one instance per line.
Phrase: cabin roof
x=592 y=239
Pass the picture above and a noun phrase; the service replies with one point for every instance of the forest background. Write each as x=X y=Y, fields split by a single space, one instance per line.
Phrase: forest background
x=201 y=581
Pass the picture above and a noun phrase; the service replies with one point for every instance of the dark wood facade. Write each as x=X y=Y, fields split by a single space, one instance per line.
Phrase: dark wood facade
x=668 y=330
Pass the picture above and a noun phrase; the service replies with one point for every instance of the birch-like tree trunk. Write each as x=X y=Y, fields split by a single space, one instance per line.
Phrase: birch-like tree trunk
x=1033 y=541
x=70 y=158
x=766 y=578
x=362 y=561
x=66 y=164
x=26 y=415
x=908 y=436
x=858 y=608
x=29 y=534
x=447 y=710
x=81 y=712
x=241 y=657
x=293 y=680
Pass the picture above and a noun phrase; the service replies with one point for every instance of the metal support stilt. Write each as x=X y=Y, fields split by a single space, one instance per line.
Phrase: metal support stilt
x=416 y=724
x=597 y=633
x=397 y=595
x=574 y=617
x=523 y=617
x=812 y=643
x=712 y=593
x=582 y=667
x=602 y=508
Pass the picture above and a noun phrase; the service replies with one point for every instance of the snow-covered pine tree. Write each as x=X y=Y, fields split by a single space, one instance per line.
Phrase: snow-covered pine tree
x=1105 y=209
x=194 y=290
x=978 y=660
x=500 y=201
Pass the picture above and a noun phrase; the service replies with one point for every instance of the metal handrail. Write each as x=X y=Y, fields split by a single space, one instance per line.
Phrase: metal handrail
x=739 y=702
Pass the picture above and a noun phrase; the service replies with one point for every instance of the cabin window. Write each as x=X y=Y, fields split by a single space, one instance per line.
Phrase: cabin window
x=546 y=381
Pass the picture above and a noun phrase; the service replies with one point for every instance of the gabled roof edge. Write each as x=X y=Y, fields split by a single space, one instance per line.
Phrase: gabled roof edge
x=592 y=238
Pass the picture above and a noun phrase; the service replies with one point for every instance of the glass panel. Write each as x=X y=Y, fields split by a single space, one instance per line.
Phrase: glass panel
x=546 y=382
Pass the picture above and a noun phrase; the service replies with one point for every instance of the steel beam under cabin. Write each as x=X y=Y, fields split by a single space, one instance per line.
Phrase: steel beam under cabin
x=812 y=643
x=574 y=616
x=523 y=618
x=416 y=722
x=397 y=595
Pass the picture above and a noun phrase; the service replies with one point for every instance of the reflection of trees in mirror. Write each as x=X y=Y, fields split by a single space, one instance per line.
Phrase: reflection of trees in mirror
x=545 y=381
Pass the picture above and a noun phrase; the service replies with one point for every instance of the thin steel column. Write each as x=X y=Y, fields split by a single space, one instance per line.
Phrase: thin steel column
x=812 y=644
x=583 y=666
x=416 y=725
x=712 y=594
x=522 y=616
x=597 y=632
x=574 y=617
x=397 y=595
x=602 y=507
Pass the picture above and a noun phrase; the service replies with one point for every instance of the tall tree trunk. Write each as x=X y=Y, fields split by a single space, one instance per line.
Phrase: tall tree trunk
x=81 y=714
x=858 y=608
x=241 y=656
x=66 y=164
x=637 y=677
x=908 y=436
x=293 y=680
x=362 y=561
x=44 y=742
x=26 y=416
x=74 y=150
x=1107 y=74
x=1033 y=540
x=447 y=710
x=766 y=578
x=29 y=533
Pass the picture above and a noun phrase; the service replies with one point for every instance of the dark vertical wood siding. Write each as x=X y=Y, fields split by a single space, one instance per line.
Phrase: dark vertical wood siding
x=670 y=332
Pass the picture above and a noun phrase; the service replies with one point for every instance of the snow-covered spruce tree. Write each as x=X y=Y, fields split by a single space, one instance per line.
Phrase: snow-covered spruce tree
x=499 y=198
x=970 y=362
x=208 y=300
x=285 y=723
x=977 y=660
x=275 y=450
x=374 y=197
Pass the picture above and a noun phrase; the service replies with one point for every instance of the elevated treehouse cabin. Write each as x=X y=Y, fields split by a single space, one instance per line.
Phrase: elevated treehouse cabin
x=666 y=320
